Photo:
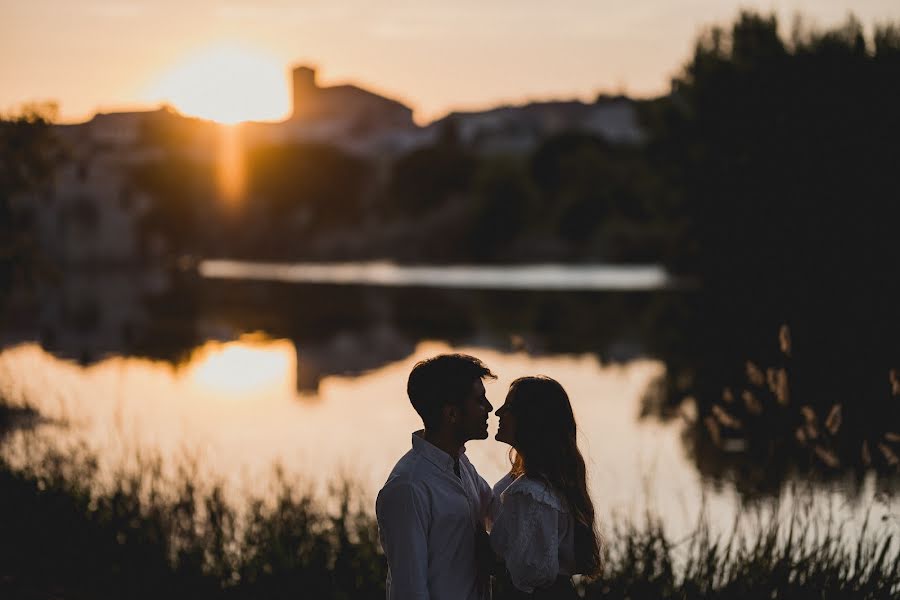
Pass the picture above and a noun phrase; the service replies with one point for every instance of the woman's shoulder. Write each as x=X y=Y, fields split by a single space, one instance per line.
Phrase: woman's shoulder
x=536 y=490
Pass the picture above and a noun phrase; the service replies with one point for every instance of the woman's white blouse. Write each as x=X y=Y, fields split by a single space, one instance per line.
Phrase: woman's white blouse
x=533 y=532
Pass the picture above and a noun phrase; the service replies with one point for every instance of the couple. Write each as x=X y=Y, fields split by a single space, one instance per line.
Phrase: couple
x=434 y=510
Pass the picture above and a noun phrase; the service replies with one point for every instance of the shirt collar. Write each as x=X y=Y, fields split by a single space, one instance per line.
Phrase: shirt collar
x=435 y=455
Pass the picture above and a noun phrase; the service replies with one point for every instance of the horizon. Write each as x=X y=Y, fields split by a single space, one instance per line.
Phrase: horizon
x=164 y=105
x=231 y=63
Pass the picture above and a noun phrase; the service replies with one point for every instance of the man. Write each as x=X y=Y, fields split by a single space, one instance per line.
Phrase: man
x=434 y=507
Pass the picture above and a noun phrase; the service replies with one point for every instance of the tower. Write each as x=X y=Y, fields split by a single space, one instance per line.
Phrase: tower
x=304 y=90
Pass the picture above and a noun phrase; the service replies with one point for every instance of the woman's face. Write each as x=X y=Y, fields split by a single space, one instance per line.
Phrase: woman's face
x=506 y=432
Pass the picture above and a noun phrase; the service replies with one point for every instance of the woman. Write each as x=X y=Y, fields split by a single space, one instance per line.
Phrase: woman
x=544 y=531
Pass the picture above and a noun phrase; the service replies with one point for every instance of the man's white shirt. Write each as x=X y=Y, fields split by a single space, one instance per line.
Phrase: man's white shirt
x=427 y=520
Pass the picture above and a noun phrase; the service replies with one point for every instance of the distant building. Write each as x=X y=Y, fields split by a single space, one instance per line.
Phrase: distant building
x=359 y=109
x=615 y=119
x=89 y=209
x=519 y=129
x=346 y=116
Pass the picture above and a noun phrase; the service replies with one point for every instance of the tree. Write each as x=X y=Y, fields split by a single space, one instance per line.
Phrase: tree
x=502 y=204
x=325 y=183
x=183 y=197
x=784 y=154
x=423 y=180
x=28 y=151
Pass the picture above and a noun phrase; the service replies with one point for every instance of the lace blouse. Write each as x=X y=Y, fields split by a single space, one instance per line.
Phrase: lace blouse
x=533 y=532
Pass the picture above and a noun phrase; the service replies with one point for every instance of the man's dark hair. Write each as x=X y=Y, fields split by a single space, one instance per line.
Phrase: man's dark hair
x=441 y=380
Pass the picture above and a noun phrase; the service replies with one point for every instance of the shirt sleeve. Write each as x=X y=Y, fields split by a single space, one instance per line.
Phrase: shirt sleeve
x=403 y=518
x=526 y=536
x=488 y=502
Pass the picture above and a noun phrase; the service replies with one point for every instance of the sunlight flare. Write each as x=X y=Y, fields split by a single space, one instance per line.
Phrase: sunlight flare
x=228 y=83
x=230 y=164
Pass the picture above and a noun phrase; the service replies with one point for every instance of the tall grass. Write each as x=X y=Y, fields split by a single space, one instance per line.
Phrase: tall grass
x=65 y=531
x=797 y=558
x=776 y=411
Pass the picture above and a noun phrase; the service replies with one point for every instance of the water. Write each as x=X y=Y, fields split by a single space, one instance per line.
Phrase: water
x=240 y=374
x=514 y=277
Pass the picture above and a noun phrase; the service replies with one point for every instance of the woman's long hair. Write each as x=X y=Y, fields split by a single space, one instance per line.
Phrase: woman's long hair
x=546 y=449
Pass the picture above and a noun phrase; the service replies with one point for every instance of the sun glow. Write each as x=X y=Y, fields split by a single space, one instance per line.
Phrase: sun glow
x=245 y=368
x=231 y=169
x=227 y=83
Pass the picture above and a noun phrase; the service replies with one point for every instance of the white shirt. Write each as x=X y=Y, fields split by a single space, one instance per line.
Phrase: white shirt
x=533 y=532
x=427 y=520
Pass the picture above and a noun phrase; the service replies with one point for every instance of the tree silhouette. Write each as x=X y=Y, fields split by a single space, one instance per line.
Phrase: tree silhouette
x=28 y=150
x=784 y=156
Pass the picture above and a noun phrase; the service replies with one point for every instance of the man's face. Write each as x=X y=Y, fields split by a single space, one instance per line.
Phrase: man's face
x=472 y=414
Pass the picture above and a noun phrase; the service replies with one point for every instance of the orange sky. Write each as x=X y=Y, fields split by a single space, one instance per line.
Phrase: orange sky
x=435 y=56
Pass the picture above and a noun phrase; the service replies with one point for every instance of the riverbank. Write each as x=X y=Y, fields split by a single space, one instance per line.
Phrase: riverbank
x=68 y=530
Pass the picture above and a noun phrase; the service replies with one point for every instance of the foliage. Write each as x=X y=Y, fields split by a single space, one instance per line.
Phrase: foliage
x=323 y=183
x=501 y=206
x=28 y=151
x=424 y=179
x=760 y=428
x=605 y=199
x=784 y=150
x=183 y=207
x=144 y=536
x=781 y=151
x=64 y=532
x=574 y=197
x=774 y=558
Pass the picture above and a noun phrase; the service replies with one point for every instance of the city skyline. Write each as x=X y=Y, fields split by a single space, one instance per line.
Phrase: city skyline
x=231 y=61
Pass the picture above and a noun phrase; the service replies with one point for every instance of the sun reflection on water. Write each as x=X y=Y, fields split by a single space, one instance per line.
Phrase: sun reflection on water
x=235 y=406
x=246 y=367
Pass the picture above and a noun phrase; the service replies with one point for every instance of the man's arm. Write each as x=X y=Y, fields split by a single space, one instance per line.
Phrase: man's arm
x=489 y=504
x=484 y=554
x=403 y=519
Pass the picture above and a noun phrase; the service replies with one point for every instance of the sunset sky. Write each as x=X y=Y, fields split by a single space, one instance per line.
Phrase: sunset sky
x=229 y=60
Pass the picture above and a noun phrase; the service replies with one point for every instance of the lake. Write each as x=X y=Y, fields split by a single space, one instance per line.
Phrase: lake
x=238 y=367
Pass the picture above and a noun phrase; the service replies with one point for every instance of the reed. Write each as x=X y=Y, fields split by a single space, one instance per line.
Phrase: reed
x=65 y=531
x=763 y=415
x=797 y=558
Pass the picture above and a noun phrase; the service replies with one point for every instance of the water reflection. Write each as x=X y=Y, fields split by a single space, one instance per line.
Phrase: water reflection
x=236 y=410
x=515 y=277
x=85 y=317
x=243 y=374
x=250 y=366
x=237 y=404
